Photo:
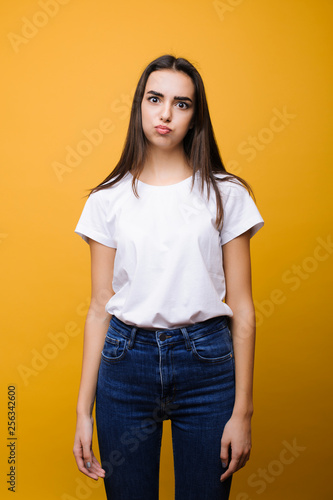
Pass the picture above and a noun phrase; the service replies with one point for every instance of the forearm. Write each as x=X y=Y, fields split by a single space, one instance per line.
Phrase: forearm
x=243 y=334
x=96 y=327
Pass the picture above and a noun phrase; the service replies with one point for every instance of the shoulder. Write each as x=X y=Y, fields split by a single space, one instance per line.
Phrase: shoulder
x=98 y=217
x=112 y=193
x=240 y=212
x=230 y=186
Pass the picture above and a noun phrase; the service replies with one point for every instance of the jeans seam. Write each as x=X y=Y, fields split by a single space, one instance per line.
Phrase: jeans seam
x=209 y=332
x=223 y=358
x=160 y=367
x=114 y=359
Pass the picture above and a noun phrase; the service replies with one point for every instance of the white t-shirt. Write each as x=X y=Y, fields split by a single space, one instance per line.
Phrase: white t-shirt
x=168 y=269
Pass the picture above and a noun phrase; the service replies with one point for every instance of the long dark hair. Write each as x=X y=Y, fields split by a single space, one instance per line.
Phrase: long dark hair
x=200 y=147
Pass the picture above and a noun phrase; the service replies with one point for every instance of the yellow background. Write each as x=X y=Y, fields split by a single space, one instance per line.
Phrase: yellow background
x=77 y=71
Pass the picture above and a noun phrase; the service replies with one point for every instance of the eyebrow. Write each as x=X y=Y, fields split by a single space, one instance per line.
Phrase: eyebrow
x=177 y=98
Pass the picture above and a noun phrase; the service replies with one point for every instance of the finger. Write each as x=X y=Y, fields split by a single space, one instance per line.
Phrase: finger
x=224 y=455
x=244 y=459
x=87 y=456
x=78 y=453
x=241 y=464
x=97 y=467
x=82 y=468
x=233 y=467
x=94 y=470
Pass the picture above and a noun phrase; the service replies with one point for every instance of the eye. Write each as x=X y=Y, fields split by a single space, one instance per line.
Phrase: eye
x=153 y=97
x=183 y=105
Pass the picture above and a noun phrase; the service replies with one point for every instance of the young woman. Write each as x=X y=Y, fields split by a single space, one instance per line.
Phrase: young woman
x=170 y=332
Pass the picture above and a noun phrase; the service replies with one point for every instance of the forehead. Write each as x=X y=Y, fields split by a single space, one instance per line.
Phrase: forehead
x=170 y=82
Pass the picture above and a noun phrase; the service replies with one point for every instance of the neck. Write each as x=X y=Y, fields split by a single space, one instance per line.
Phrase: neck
x=166 y=165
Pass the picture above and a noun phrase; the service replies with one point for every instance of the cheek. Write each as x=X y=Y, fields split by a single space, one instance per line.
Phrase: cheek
x=187 y=119
x=146 y=114
x=143 y=112
x=187 y=124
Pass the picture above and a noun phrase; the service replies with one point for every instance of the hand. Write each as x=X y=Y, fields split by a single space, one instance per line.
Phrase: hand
x=83 y=451
x=237 y=434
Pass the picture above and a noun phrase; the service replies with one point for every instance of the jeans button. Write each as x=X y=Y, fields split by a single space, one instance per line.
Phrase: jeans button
x=162 y=336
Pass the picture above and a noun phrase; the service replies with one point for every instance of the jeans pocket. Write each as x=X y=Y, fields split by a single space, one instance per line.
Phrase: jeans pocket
x=213 y=347
x=115 y=346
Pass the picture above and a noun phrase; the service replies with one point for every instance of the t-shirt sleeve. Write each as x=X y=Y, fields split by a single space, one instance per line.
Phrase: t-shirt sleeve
x=96 y=221
x=240 y=213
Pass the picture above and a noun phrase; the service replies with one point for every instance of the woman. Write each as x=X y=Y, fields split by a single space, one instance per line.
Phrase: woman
x=170 y=330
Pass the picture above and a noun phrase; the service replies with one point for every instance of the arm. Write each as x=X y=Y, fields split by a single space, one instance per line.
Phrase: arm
x=96 y=326
x=237 y=431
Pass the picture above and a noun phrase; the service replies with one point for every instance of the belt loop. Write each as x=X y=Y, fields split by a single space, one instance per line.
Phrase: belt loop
x=186 y=337
x=132 y=338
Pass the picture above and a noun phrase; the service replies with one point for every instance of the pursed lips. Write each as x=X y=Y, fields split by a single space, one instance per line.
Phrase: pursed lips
x=163 y=129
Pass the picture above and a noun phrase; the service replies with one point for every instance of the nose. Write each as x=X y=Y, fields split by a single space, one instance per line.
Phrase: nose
x=166 y=112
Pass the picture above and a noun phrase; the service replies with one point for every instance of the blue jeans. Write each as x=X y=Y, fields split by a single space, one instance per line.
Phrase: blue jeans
x=146 y=376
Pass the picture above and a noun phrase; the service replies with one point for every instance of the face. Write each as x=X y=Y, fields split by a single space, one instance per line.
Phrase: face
x=167 y=108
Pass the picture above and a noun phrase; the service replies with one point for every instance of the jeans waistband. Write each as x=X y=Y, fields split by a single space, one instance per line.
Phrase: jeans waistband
x=188 y=331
